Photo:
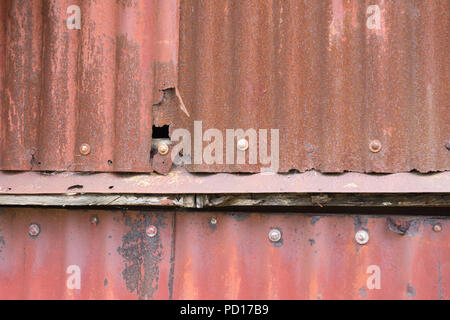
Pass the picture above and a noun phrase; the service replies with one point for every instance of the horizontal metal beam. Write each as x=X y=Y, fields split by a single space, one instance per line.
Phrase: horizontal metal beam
x=180 y=181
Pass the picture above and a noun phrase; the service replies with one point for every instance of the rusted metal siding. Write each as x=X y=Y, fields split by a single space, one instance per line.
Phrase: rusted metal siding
x=62 y=88
x=327 y=74
x=192 y=258
x=179 y=181
x=331 y=75
x=317 y=258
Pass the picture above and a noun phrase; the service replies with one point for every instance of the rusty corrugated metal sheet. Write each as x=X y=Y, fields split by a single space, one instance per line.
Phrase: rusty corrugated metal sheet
x=65 y=87
x=113 y=257
x=193 y=258
x=331 y=75
x=317 y=258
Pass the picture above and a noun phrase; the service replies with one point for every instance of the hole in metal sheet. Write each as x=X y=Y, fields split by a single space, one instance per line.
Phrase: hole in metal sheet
x=160 y=132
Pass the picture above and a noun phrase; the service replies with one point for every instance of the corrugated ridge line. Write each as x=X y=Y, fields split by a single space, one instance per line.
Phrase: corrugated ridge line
x=330 y=84
x=63 y=88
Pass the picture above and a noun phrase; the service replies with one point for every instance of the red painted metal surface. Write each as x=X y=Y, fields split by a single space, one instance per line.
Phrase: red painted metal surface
x=113 y=257
x=331 y=75
x=62 y=88
x=193 y=258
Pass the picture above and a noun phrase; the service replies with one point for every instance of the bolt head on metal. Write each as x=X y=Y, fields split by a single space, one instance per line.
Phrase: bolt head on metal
x=85 y=149
x=447 y=145
x=213 y=220
x=375 y=146
x=163 y=149
x=34 y=230
x=362 y=237
x=274 y=235
x=94 y=220
x=242 y=144
x=151 y=231
x=437 y=228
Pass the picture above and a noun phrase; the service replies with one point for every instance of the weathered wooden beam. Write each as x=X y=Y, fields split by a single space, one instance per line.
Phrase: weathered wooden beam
x=232 y=200
x=325 y=200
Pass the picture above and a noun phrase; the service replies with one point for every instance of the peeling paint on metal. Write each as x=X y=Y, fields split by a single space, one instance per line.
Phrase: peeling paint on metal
x=410 y=291
x=142 y=255
x=238 y=262
x=115 y=262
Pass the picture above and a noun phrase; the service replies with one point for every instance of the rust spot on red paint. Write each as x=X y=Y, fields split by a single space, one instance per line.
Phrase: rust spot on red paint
x=251 y=64
x=142 y=255
x=398 y=225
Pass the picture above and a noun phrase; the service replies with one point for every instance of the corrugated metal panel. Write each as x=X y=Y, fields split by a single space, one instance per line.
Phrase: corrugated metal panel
x=192 y=258
x=113 y=258
x=65 y=87
x=331 y=75
x=317 y=258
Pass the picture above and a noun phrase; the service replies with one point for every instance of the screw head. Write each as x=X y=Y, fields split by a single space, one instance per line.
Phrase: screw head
x=213 y=221
x=375 y=146
x=34 y=230
x=94 y=220
x=151 y=231
x=447 y=145
x=85 y=149
x=163 y=148
x=274 y=235
x=437 y=227
x=362 y=237
x=242 y=144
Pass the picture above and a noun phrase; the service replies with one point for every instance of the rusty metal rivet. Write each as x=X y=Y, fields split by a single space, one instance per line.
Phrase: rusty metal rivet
x=242 y=144
x=163 y=149
x=437 y=227
x=274 y=235
x=151 y=231
x=375 y=146
x=85 y=149
x=362 y=237
x=213 y=220
x=34 y=230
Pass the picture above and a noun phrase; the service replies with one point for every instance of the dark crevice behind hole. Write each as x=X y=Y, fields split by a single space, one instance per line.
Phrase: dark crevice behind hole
x=160 y=132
